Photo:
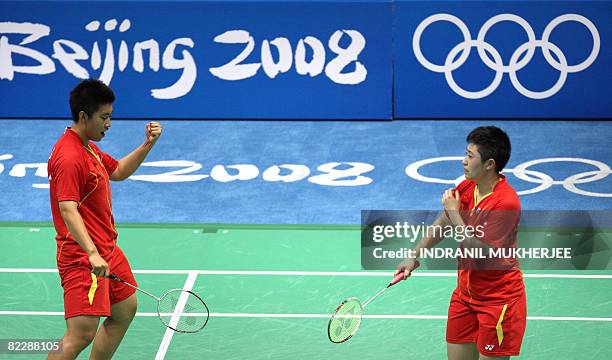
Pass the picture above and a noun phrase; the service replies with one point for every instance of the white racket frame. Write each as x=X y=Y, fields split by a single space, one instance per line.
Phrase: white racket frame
x=159 y=300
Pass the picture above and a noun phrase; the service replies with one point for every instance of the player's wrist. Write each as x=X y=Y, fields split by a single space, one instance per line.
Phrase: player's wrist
x=92 y=252
x=416 y=254
x=147 y=145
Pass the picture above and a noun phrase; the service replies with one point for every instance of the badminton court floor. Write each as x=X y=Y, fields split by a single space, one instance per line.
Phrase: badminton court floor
x=271 y=289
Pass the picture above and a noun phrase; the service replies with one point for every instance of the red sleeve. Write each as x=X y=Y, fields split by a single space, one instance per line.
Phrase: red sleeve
x=69 y=176
x=464 y=185
x=500 y=224
x=110 y=164
x=466 y=192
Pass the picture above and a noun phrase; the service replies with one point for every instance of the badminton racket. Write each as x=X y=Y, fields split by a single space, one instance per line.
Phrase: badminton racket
x=345 y=321
x=180 y=310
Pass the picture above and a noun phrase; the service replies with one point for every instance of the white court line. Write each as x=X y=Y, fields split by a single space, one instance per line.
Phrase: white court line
x=318 y=316
x=178 y=309
x=312 y=273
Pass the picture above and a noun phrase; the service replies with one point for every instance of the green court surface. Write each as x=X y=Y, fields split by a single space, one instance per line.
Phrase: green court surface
x=271 y=289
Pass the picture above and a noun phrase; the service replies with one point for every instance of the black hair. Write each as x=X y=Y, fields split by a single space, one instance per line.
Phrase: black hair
x=88 y=96
x=493 y=143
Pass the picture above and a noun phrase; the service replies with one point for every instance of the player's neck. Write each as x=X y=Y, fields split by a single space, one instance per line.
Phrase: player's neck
x=80 y=131
x=487 y=183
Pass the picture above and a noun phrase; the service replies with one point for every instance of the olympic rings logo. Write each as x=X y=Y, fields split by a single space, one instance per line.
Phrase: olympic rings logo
x=521 y=171
x=496 y=64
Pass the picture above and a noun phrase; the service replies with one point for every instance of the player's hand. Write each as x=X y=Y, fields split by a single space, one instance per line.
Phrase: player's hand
x=406 y=266
x=99 y=266
x=451 y=200
x=153 y=131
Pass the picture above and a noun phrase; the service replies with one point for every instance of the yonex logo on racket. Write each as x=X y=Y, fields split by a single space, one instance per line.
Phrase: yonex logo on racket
x=492 y=59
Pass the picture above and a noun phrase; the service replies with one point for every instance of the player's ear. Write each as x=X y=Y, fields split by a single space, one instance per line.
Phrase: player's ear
x=82 y=116
x=490 y=164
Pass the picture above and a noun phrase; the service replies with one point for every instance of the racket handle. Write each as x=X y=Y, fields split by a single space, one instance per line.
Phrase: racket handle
x=117 y=278
x=399 y=277
x=114 y=277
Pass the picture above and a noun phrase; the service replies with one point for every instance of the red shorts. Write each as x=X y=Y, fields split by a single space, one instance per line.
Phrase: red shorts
x=497 y=330
x=87 y=294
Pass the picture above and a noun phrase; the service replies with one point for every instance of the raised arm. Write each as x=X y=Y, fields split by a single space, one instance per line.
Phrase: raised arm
x=128 y=164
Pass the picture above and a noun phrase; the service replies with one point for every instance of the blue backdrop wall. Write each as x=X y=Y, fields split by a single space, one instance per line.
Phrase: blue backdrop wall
x=200 y=59
x=502 y=59
x=288 y=59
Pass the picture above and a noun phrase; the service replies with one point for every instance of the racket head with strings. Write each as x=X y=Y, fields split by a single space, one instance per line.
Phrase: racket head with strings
x=191 y=319
x=345 y=321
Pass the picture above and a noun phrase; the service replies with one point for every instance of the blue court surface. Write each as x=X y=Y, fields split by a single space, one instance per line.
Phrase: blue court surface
x=310 y=172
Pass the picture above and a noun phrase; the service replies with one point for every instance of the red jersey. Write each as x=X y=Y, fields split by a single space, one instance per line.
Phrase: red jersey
x=499 y=215
x=82 y=174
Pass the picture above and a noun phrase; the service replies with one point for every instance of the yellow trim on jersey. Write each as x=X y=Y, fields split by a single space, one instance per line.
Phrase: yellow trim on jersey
x=476 y=199
x=498 y=327
x=92 y=190
x=90 y=150
x=59 y=253
x=106 y=182
x=93 y=288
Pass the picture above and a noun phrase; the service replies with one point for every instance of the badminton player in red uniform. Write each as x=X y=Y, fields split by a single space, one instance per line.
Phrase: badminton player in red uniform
x=87 y=251
x=487 y=313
